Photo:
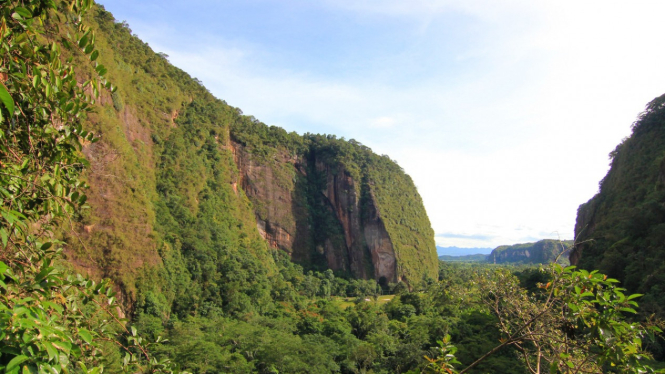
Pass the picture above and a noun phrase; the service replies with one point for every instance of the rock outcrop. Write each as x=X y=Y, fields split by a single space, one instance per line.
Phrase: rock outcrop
x=349 y=234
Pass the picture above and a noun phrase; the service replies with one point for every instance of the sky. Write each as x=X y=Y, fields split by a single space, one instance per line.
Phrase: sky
x=503 y=112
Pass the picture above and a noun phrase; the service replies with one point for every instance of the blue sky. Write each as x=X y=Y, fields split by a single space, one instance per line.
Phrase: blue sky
x=502 y=111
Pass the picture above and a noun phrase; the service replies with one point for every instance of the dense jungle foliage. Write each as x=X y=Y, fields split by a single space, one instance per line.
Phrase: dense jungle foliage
x=163 y=222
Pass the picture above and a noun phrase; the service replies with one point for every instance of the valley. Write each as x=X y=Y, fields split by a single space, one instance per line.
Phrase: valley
x=150 y=227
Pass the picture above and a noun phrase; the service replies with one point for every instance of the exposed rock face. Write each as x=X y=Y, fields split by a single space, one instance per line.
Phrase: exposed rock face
x=271 y=188
x=381 y=247
x=361 y=246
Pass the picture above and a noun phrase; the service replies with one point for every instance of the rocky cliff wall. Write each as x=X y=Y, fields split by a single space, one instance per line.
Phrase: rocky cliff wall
x=286 y=192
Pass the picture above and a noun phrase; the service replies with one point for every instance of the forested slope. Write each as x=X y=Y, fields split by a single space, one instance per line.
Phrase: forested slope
x=180 y=181
x=621 y=230
x=161 y=183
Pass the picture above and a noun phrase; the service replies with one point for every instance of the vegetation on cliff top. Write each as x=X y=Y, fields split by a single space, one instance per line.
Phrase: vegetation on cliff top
x=376 y=178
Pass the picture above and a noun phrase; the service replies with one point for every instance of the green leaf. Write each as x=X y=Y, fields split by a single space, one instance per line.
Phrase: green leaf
x=6 y=99
x=13 y=365
x=85 y=335
x=50 y=349
x=23 y=12
x=634 y=296
x=4 y=236
x=94 y=55
x=9 y=217
x=83 y=41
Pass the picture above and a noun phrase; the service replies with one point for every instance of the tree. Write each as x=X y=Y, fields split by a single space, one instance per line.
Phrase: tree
x=50 y=321
x=577 y=324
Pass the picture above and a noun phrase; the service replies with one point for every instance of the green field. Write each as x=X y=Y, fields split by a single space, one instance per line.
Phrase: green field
x=345 y=302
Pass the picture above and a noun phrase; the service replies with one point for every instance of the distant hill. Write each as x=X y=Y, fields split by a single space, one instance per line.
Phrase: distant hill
x=457 y=251
x=541 y=252
x=467 y=258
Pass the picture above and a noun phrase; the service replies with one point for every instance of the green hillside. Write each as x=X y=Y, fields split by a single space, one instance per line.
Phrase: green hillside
x=165 y=191
x=161 y=188
x=622 y=228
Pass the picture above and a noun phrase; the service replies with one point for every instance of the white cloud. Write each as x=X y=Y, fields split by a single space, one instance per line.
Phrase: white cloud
x=502 y=152
x=382 y=122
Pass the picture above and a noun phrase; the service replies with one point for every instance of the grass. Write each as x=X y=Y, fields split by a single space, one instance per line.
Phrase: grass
x=345 y=302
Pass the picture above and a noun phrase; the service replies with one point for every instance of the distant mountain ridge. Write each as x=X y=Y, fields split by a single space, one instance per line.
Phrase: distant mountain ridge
x=458 y=251
x=466 y=258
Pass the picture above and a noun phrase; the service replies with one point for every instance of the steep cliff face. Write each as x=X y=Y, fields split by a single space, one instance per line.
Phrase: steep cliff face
x=315 y=210
x=271 y=188
x=621 y=230
x=380 y=245
x=162 y=202
x=541 y=252
x=187 y=195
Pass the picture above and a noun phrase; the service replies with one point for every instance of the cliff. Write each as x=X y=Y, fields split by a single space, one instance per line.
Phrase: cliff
x=622 y=228
x=541 y=252
x=325 y=211
x=189 y=197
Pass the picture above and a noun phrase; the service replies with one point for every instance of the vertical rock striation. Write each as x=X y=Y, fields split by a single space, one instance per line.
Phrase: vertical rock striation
x=313 y=210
